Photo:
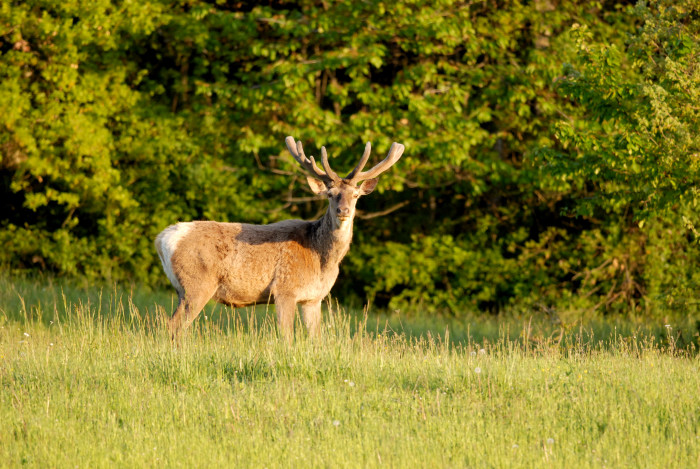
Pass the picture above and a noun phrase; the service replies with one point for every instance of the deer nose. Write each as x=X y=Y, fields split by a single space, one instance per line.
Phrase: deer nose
x=343 y=212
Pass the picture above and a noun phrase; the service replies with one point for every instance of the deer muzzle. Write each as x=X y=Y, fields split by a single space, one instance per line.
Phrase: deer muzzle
x=342 y=213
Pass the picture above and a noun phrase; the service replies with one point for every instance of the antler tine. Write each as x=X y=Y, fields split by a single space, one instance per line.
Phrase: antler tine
x=292 y=147
x=395 y=153
x=308 y=164
x=327 y=167
x=361 y=164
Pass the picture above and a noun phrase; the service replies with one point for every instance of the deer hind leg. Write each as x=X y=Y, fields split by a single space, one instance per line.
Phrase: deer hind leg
x=311 y=312
x=286 y=308
x=189 y=307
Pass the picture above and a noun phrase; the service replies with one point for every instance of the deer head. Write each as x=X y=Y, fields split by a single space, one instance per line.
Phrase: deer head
x=342 y=193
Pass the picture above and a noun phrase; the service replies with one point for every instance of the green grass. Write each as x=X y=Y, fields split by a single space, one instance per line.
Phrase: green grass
x=88 y=378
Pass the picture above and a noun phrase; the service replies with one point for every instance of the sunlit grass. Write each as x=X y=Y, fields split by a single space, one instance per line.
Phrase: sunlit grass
x=88 y=378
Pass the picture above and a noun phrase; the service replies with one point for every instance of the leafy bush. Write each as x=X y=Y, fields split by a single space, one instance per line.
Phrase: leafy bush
x=632 y=158
x=123 y=118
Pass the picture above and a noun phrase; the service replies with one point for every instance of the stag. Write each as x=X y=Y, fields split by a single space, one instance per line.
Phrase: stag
x=290 y=262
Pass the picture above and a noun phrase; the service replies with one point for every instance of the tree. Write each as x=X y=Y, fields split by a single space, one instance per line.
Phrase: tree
x=631 y=157
x=124 y=118
x=639 y=144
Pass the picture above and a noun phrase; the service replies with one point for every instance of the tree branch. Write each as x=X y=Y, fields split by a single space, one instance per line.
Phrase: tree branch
x=367 y=216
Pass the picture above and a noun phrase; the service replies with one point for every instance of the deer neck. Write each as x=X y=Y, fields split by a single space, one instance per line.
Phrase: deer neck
x=333 y=239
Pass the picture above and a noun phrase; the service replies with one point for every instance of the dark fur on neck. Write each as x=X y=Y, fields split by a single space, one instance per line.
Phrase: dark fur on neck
x=331 y=242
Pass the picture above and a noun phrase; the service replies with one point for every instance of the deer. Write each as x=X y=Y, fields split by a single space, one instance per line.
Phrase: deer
x=290 y=263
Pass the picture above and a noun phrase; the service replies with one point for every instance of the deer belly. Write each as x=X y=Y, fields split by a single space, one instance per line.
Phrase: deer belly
x=238 y=297
x=239 y=288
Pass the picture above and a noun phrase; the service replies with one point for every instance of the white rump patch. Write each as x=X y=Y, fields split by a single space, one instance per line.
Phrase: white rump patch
x=167 y=242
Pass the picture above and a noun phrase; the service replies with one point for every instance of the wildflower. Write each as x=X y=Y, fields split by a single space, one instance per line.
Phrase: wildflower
x=26 y=334
x=667 y=326
x=550 y=441
x=336 y=423
x=482 y=352
x=515 y=446
x=51 y=344
x=351 y=384
x=473 y=354
x=477 y=370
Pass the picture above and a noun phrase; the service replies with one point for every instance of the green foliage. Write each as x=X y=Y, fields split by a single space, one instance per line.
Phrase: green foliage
x=99 y=166
x=638 y=145
x=630 y=156
x=122 y=119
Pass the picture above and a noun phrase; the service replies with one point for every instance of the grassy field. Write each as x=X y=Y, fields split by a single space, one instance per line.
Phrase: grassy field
x=88 y=378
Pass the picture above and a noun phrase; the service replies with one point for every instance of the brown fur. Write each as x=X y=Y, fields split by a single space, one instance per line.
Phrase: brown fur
x=240 y=264
x=289 y=262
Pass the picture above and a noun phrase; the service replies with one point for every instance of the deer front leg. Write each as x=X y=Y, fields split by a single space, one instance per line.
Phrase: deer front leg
x=311 y=312
x=286 y=308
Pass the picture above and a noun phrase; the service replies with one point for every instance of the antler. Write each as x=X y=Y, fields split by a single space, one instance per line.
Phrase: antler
x=362 y=163
x=355 y=176
x=309 y=164
x=395 y=153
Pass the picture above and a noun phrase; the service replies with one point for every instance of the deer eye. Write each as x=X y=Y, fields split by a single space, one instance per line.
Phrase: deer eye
x=356 y=196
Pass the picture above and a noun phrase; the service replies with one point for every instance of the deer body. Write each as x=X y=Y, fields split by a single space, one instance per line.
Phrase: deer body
x=290 y=262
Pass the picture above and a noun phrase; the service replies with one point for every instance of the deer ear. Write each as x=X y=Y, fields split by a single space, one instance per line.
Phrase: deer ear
x=368 y=186
x=318 y=187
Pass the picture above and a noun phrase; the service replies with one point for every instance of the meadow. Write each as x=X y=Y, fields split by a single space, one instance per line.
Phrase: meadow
x=89 y=378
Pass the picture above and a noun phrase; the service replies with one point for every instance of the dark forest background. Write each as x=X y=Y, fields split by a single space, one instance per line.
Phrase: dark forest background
x=552 y=147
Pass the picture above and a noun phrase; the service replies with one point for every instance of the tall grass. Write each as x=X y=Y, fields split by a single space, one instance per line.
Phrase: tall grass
x=89 y=378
